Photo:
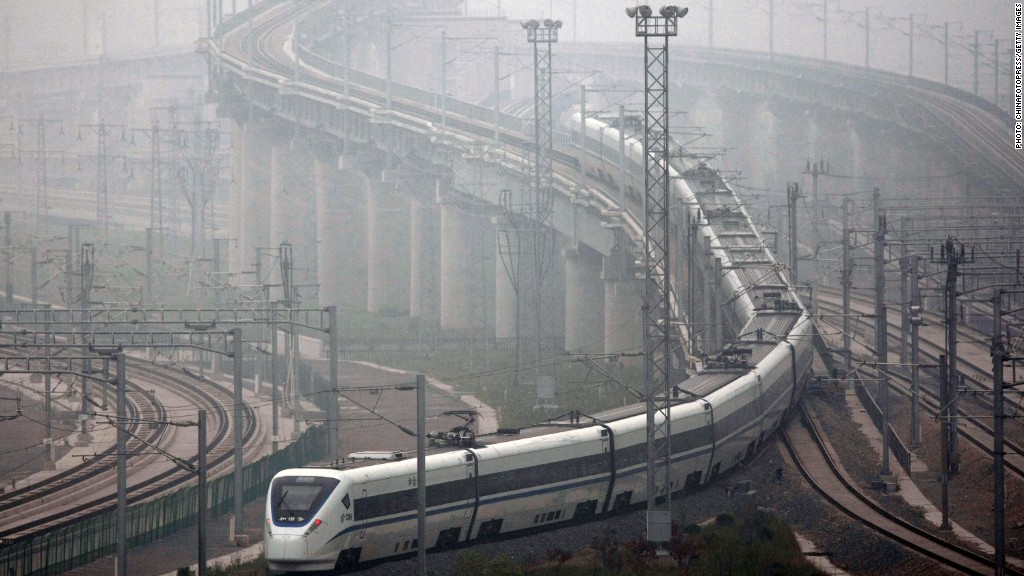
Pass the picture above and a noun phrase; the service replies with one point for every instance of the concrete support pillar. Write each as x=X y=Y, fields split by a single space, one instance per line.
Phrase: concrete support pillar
x=457 y=267
x=790 y=143
x=813 y=145
x=278 y=201
x=341 y=236
x=387 y=249
x=240 y=176
x=425 y=253
x=256 y=203
x=749 y=134
x=858 y=153
x=417 y=245
x=327 y=253
x=768 y=170
x=504 y=301
x=292 y=206
x=739 y=125
x=584 y=300
x=557 y=279
x=623 y=327
x=705 y=111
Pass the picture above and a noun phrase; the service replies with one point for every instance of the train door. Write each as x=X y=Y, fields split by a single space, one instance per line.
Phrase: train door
x=470 y=475
x=709 y=414
x=763 y=408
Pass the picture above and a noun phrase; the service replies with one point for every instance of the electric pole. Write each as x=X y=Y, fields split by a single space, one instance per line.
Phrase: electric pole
x=847 y=283
x=198 y=182
x=916 y=321
x=999 y=495
x=881 y=330
x=103 y=159
x=204 y=510
x=944 y=418
x=8 y=261
x=952 y=253
x=815 y=169
x=792 y=196
x=156 y=137
x=122 y=466
x=41 y=154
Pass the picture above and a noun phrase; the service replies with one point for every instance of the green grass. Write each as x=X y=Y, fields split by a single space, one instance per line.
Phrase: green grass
x=754 y=542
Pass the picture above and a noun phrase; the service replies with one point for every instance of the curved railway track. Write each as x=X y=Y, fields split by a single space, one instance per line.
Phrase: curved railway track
x=77 y=500
x=814 y=458
x=979 y=433
x=140 y=406
x=264 y=44
x=839 y=489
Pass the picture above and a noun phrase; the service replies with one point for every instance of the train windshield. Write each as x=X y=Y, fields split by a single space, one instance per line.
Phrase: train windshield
x=295 y=499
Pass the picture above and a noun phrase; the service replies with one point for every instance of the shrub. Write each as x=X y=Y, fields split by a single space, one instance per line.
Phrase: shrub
x=478 y=564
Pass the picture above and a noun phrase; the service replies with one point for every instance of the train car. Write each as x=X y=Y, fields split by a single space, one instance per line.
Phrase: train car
x=320 y=518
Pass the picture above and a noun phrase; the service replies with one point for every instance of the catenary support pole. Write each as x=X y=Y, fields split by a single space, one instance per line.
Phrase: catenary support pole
x=8 y=261
x=204 y=513
x=497 y=94
x=239 y=500
x=334 y=414
x=275 y=394
x=999 y=494
x=35 y=276
x=944 y=434
x=122 y=469
x=792 y=196
x=149 y=265
x=881 y=331
x=847 y=282
x=48 y=398
x=421 y=475
x=915 y=353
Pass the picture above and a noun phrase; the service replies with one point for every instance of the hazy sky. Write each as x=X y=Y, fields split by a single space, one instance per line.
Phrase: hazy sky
x=48 y=29
x=55 y=29
x=798 y=26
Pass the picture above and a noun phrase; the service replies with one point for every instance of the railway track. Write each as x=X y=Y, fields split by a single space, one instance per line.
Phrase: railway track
x=263 y=50
x=814 y=457
x=979 y=431
x=140 y=406
x=85 y=490
x=851 y=500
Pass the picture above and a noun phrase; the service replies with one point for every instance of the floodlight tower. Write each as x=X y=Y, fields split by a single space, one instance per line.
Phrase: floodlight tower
x=542 y=35
x=657 y=313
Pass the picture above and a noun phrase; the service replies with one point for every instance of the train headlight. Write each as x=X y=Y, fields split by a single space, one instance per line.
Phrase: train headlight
x=313 y=526
x=269 y=527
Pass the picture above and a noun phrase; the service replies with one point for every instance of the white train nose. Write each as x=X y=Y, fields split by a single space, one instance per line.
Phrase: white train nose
x=286 y=547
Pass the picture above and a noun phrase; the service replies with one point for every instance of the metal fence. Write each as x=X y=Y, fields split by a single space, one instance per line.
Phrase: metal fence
x=364 y=347
x=92 y=538
x=899 y=449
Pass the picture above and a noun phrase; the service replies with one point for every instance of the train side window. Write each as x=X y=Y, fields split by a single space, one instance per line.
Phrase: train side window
x=550 y=517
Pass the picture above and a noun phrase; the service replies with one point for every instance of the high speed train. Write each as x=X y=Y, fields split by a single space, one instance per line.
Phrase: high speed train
x=328 y=518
